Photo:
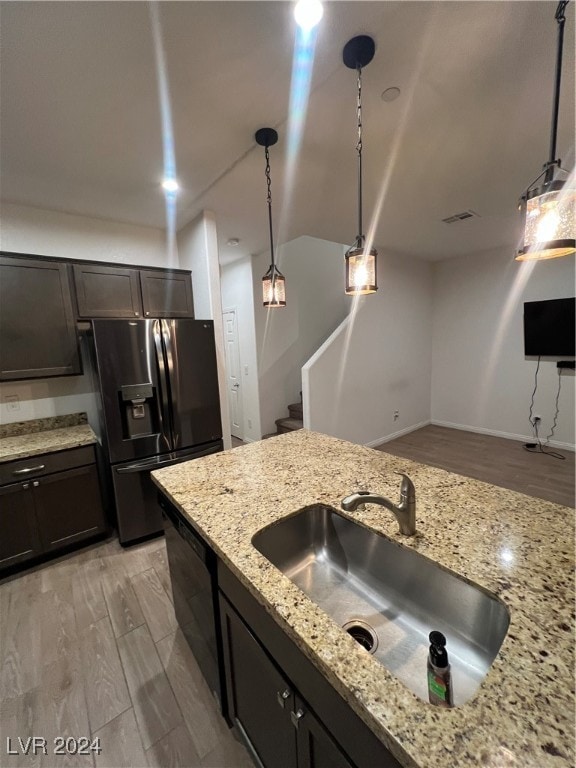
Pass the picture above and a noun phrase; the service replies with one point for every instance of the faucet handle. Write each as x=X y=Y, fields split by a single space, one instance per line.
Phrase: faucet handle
x=407 y=488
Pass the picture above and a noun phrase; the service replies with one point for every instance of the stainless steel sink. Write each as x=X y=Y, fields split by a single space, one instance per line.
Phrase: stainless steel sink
x=388 y=597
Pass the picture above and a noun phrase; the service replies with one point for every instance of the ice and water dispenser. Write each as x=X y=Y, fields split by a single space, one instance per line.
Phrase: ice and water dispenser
x=138 y=403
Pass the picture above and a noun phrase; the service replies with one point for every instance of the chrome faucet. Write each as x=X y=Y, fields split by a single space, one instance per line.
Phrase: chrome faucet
x=405 y=511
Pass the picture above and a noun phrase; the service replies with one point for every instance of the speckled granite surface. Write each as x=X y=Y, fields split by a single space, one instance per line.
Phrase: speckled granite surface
x=42 y=425
x=516 y=546
x=31 y=438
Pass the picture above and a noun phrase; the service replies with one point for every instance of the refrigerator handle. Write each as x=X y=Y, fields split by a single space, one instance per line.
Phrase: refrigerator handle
x=172 y=378
x=164 y=394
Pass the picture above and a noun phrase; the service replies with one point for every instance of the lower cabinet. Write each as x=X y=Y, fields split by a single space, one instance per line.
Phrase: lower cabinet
x=19 y=535
x=285 y=709
x=57 y=505
x=274 y=720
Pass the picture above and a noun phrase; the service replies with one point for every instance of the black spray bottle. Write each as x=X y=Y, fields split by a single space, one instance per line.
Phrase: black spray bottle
x=439 y=675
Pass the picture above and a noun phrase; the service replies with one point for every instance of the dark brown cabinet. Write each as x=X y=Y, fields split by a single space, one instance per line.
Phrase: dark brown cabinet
x=166 y=293
x=118 y=292
x=57 y=504
x=38 y=336
x=274 y=720
x=19 y=537
x=265 y=669
x=107 y=291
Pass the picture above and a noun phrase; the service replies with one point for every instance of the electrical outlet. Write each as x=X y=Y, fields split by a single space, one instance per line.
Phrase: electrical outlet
x=396 y=415
x=12 y=402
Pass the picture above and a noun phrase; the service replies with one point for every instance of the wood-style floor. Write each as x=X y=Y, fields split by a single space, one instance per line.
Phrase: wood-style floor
x=89 y=647
x=495 y=460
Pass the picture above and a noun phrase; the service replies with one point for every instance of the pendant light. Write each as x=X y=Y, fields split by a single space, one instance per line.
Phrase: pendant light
x=549 y=210
x=273 y=282
x=360 y=262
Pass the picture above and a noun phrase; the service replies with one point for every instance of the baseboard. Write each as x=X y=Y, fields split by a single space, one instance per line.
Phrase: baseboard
x=394 y=435
x=497 y=433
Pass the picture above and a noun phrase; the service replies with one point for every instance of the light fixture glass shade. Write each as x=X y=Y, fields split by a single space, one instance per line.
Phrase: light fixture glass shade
x=273 y=288
x=360 y=271
x=549 y=214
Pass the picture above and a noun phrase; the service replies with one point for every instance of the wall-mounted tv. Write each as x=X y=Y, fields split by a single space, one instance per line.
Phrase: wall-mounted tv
x=549 y=328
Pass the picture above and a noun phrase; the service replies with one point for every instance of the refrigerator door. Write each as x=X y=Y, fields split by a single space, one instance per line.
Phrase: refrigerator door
x=190 y=358
x=134 y=395
x=138 y=512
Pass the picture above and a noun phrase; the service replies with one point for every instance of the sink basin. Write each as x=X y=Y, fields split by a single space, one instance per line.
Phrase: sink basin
x=388 y=597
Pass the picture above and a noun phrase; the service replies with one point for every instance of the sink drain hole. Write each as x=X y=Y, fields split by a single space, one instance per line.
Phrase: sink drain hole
x=363 y=634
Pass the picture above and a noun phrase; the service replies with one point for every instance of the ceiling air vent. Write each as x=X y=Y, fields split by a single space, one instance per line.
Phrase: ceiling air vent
x=461 y=217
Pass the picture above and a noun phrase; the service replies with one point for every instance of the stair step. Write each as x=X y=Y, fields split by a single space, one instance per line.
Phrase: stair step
x=295 y=411
x=288 y=425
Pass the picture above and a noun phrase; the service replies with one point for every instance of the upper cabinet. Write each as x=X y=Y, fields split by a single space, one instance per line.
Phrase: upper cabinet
x=107 y=291
x=40 y=304
x=166 y=293
x=38 y=336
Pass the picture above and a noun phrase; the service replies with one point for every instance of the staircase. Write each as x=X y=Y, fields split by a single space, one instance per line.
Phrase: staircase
x=294 y=420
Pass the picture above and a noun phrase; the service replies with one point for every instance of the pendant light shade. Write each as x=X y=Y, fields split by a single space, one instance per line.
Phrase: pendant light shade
x=360 y=271
x=273 y=282
x=548 y=209
x=360 y=260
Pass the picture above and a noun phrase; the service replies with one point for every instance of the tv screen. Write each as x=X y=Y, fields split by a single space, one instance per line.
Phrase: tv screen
x=549 y=328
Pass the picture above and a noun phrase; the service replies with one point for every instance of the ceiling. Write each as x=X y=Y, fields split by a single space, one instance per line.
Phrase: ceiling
x=81 y=127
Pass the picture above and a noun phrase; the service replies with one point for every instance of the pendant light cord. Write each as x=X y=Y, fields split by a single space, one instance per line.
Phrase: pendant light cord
x=360 y=238
x=269 y=201
x=552 y=161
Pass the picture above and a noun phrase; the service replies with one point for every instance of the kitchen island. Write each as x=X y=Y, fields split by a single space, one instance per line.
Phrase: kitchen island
x=517 y=547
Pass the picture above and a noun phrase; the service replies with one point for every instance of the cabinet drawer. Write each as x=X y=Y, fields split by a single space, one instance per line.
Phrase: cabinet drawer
x=45 y=463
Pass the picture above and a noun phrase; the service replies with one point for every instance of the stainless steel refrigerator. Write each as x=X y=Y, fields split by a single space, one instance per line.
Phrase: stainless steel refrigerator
x=158 y=389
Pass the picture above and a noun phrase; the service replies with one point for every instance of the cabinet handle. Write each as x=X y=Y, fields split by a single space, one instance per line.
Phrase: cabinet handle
x=282 y=696
x=26 y=486
x=35 y=484
x=26 y=470
x=296 y=717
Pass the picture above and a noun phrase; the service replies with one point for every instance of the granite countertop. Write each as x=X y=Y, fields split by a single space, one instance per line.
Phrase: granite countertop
x=518 y=547
x=31 y=438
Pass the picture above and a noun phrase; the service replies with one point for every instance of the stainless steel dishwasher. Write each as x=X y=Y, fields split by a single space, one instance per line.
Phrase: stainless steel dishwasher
x=194 y=587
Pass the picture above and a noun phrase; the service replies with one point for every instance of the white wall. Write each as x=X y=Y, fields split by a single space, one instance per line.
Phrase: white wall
x=286 y=337
x=51 y=233
x=66 y=236
x=237 y=294
x=198 y=251
x=480 y=378
x=378 y=362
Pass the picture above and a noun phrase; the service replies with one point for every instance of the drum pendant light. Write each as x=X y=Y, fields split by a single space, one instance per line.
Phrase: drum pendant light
x=549 y=210
x=273 y=282
x=360 y=262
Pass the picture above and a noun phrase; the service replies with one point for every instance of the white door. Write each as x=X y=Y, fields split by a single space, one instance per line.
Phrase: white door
x=233 y=373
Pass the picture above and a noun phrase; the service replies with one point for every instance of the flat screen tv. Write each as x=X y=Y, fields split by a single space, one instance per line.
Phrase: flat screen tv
x=549 y=328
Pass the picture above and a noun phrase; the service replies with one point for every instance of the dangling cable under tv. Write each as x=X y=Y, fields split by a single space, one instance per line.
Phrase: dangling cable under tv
x=549 y=328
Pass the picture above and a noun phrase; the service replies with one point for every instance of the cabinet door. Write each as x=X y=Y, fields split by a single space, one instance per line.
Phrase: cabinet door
x=316 y=749
x=38 y=336
x=68 y=507
x=107 y=291
x=19 y=539
x=166 y=294
x=259 y=698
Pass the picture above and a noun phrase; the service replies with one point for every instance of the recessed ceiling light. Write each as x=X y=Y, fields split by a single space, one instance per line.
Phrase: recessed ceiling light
x=233 y=242
x=308 y=13
x=390 y=94
x=170 y=185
